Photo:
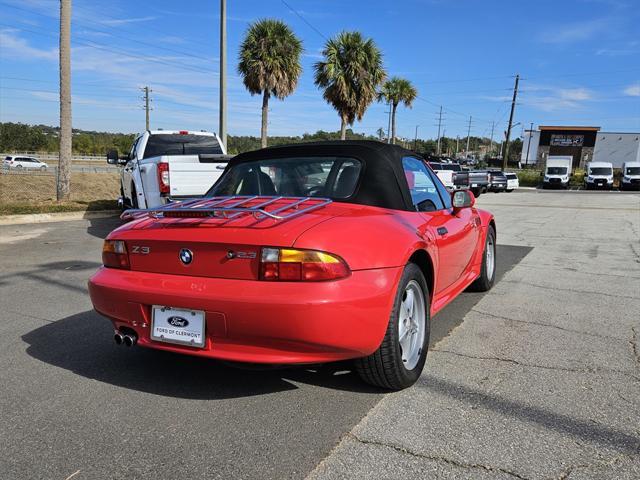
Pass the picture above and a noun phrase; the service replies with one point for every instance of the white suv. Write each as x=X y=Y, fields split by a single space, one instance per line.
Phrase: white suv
x=23 y=162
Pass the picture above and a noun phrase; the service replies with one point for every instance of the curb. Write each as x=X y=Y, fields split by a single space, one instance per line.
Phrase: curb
x=56 y=217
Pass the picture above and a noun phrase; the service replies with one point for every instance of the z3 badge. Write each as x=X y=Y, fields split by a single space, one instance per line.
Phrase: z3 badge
x=140 y=250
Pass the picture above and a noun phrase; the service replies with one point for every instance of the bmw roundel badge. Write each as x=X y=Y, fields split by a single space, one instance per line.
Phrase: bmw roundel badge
x=186 y=256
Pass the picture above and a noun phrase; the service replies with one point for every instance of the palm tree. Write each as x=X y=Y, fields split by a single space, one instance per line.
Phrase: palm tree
x=269 y=63
x=394 y=91
x=350 y=73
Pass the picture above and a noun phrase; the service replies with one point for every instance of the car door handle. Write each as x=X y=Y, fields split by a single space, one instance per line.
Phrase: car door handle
x=442 y=230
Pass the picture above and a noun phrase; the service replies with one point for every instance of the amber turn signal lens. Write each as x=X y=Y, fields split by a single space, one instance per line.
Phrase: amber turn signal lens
x=114 y=254
x=293 y=265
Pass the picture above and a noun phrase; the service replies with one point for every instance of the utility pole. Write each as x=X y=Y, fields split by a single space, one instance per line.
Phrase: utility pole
x=457 y=144
x=526 y=162
x=505 y=158
x=415 y=139
x=468 y=133
x=439 y=125
x=493 y=125
x=223 y=73
x=66 y=134
x=146 y=99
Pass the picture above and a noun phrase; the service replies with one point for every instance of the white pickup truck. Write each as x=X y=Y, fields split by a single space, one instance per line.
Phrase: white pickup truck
x=165 y=165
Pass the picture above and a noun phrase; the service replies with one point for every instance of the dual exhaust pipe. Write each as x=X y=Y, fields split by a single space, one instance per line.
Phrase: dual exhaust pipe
x=127 y=339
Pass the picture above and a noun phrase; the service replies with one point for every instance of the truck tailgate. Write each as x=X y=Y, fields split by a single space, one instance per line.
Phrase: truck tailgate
x=189 y=179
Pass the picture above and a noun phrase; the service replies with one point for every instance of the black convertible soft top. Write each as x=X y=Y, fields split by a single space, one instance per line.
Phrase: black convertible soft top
x=382 y=181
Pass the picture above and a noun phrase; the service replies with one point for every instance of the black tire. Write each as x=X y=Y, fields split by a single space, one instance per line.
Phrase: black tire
x=385 y=368
x=509 y=190
x=485 y=281
x=476 y=192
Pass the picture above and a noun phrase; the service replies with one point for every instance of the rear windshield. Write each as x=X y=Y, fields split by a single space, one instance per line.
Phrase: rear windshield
x=556 y=170
x=600 y=171
x=632 y=171
x=332 y=177
x=511 y=176
x=175 y=144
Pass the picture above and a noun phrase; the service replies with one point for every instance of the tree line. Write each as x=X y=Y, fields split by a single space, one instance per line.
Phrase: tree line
x=20 y=137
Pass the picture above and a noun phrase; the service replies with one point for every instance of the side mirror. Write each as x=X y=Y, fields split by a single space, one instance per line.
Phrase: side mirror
x=462 y=199
x=112 y=157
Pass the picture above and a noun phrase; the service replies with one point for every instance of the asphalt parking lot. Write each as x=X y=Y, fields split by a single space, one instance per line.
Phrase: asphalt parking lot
x=539 y=378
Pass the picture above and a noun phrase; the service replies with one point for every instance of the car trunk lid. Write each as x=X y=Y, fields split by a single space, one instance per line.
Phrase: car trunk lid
x=223 y=241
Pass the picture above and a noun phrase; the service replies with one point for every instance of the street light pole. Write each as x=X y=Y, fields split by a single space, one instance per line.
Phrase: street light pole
x=415 y=139
x=526 y=162
x=223 y=73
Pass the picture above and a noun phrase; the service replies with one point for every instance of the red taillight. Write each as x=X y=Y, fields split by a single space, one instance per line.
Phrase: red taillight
x=114 y=254
x=290 y=265
x=163 y=177
x=183 y=132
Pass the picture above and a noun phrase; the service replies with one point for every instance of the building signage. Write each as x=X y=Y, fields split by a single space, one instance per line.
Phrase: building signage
x=567 y=140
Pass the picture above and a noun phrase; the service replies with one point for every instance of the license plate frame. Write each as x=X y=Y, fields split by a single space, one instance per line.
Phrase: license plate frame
x=168 y=326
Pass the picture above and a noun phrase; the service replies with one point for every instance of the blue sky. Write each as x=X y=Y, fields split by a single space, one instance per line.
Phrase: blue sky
x=579 y=61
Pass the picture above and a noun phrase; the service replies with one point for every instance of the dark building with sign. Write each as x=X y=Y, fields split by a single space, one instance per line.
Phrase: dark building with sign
x=583 y=144
x=578 y=142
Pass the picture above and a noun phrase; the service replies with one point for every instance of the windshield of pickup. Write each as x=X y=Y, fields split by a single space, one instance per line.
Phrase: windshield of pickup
x=331 y=177
x=177 y=144
x=632 y=171
x=600 y=171
x=451 y=166
x=556 y=170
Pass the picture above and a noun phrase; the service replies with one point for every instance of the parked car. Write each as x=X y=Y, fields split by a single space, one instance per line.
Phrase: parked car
x=557 y=172
x=478 y=182
x=274 y=268
x=512 y=181
x=497 y=181
x=20 y=162
x=630 y=176
x=599 y=175
x=165 y=165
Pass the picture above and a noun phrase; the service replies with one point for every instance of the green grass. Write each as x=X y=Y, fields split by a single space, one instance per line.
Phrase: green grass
x=54 y=207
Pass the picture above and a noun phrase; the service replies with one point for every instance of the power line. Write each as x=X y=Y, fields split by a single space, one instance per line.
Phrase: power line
x=297 y=14
x=120 y=35
x=125 y=53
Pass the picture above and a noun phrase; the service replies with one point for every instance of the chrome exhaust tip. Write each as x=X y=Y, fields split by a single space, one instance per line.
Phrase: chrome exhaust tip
x=118 y=338
x=130 y=340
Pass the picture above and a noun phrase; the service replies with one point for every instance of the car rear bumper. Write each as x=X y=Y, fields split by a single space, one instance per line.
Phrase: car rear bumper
x=257 y=321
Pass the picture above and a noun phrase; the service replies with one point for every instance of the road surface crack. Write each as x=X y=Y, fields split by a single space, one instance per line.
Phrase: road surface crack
x=634 y=345
x=534 y=365
x=542 y=324
x=556 y=288
x=598 y=464
x=438 y=458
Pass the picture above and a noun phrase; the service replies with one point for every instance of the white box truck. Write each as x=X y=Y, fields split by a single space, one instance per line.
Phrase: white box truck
x=599 y=175
x=630 y=176
x=558 y=171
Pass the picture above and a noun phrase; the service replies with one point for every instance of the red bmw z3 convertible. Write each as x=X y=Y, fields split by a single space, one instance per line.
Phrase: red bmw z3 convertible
x=300 y=254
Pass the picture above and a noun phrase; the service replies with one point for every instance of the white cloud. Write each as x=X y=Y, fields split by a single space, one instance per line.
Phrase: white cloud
x=575 y=94
x=633 y=90
x=576 y=32
x=125 y=21
x=15 y=47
